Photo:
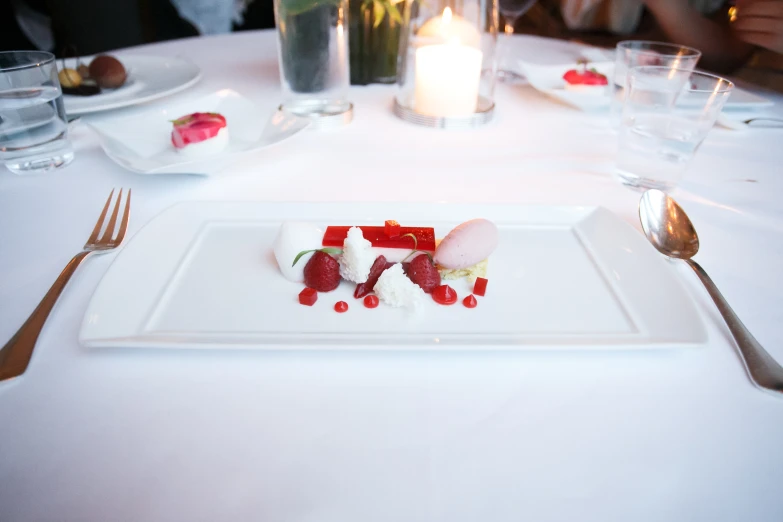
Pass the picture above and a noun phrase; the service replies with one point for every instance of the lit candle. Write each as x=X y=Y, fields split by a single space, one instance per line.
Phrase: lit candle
x=448 y=74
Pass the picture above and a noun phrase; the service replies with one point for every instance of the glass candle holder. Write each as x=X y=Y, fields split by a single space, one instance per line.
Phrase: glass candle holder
x=447 y=63
x=313 y=51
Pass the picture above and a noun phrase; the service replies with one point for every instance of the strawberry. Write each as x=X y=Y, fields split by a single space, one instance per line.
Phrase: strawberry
x=423 y=272
x=196 y=127
x=322 y=272
x=376 y=270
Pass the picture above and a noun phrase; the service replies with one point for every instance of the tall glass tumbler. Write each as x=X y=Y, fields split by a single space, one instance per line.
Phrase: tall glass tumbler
x=33 y=125
x=631 y=54
x=667 y=114
x=313 y=54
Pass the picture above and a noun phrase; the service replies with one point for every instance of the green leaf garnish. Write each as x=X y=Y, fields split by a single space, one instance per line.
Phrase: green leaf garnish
x=330 y=251
x=378 y=12
x=394 y=13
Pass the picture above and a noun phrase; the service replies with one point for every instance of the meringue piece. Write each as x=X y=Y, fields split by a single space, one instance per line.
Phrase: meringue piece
x=395 y=289
x=357 y=257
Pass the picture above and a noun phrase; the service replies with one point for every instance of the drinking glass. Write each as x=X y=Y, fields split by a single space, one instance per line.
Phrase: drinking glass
x=667 y=114
x=631 y=54
x=313 y=51
x=511 y=10
x=33 y=125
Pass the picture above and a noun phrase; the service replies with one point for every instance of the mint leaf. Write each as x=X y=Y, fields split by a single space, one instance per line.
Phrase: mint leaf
x=330 y=251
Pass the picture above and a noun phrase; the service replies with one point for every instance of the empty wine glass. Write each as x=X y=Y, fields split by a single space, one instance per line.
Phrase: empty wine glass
x=511 y=10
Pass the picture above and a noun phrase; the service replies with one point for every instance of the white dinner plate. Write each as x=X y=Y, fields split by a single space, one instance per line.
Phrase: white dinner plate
x=203 y=275
x=142 y=142
x=548 y=79
x=149 y=78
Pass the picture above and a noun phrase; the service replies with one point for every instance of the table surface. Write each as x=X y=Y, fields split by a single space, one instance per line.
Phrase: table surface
x=161 y=435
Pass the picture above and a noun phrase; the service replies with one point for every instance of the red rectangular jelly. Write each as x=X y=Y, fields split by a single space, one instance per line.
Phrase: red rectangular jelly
x=392 y=228
x=308 y=297
x=425 y=237
x=480 y=287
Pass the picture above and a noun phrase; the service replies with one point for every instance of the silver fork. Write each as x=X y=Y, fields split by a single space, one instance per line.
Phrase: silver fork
x=16 y=354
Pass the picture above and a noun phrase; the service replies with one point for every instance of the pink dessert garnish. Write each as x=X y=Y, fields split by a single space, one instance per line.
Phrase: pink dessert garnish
x=470 y=301
x=480 y=286
x=371 y=301
x=586 y=77
x=340 y=307
x=308 y=297
x=195 y=128
x=444 y=295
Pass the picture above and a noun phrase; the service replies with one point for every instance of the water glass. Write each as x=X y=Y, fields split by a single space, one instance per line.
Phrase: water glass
x=666 y=116
x=631 y=54
x=33 y=125
x=313 y=51
x=511 y=10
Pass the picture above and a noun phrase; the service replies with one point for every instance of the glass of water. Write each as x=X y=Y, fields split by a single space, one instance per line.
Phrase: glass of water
x=313 y=51
x=667 y=114
x=631 y=54
x=33 y=125
x=511 y=10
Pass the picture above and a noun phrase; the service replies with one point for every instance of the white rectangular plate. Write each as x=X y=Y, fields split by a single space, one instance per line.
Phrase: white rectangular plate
x=548 y=79
x=202 y=274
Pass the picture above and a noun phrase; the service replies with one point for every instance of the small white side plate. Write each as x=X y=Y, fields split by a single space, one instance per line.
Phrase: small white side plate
x=142 y=142
x=548 y=79
x=202 y=274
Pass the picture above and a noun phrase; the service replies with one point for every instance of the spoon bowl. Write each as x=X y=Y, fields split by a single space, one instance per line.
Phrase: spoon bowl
x=667 y=226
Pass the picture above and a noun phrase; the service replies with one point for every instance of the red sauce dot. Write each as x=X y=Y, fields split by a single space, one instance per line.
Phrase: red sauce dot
x=340 y=307
x=470 y=301
x=444 y=295
x=371 y=301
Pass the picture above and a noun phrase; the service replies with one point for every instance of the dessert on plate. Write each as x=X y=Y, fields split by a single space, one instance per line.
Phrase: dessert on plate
x=200 y=134
x=393 y=264
x=585 y=80
x=104 y=72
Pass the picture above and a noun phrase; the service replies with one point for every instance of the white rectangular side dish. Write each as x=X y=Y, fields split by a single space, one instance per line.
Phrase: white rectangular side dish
x=203 y=275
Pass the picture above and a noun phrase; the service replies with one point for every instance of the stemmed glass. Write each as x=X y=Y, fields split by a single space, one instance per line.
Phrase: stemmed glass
x=511 y=10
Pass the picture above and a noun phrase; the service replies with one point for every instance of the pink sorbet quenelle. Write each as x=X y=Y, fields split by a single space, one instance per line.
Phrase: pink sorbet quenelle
x=469 y=243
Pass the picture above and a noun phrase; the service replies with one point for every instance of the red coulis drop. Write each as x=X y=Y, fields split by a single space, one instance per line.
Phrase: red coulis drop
x=444 y=295
x=371 y=301
x=340 y=307
x=470 y=301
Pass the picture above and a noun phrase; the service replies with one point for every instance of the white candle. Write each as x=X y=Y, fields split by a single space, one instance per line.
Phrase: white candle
x=447 y=80
x=448 y=71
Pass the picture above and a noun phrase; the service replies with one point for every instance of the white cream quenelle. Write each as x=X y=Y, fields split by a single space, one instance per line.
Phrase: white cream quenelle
x=292 y=238
x=468 y=244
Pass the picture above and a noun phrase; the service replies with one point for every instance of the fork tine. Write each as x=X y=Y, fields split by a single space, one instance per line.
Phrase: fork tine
x=124 y=222
x=99 y=224
x=110 y=227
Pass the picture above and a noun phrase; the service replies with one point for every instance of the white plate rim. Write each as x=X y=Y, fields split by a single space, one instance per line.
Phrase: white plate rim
x=128 y=102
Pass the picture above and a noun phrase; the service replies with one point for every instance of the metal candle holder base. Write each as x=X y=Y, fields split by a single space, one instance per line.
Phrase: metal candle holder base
x=484 y=112
x=323 y=115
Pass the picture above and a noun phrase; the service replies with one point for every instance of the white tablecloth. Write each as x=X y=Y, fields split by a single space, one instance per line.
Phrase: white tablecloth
x=202 y=436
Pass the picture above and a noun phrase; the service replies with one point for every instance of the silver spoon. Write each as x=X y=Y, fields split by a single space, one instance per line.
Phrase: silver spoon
x=668 y=228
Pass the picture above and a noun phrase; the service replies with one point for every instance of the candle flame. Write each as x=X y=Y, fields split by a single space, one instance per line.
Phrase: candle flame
x=446 y=19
